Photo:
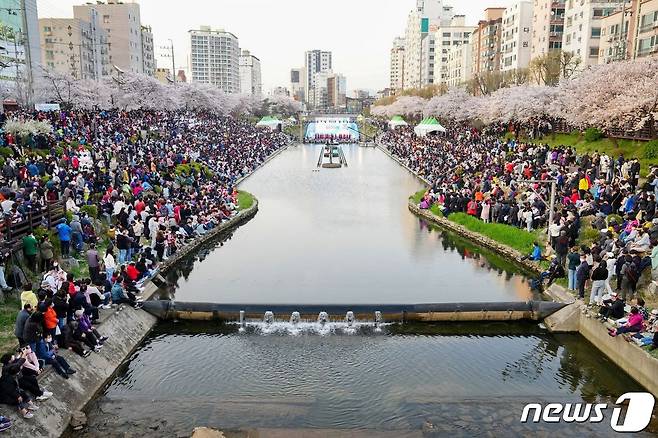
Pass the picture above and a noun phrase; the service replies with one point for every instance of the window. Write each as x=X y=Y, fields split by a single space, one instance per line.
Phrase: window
x=106 y=19
x=593 y=52
x=596 y=32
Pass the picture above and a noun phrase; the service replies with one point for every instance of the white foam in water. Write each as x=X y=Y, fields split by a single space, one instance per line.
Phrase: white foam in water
x=309 y=327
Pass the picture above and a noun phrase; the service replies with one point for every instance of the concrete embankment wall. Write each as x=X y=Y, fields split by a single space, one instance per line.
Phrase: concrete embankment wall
x=127 y=329
x=638 y=363
x=504 y=250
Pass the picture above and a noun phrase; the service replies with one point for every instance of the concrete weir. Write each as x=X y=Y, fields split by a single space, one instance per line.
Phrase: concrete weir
x=501 y=311
x=127 y=329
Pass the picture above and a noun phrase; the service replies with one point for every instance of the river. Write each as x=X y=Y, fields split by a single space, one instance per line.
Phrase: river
x=345 y=236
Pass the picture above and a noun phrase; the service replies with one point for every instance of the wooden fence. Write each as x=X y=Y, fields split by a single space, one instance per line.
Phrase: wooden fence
x=51 y=216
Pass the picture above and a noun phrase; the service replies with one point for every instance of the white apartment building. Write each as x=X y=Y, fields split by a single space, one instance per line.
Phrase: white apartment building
x=13 y=47
x=428 y=16
x=130 y=45
x=214 y=58
x=74 y=47
x=516 y=38
x=454 y=34
x=459 y=68
x=582 y=28
x=397 y=64
x=315 y=61
x=547 y=26
x=250 y=79
x=319 y=97
x=148 y=53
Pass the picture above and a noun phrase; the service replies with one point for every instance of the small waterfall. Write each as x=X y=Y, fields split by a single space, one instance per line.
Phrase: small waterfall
x=349 y=318
x=323 y=325
x=378 y=319
x=242 y=321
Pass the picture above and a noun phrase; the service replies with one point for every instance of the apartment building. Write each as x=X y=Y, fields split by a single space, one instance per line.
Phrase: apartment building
x=75 y=47
x=486 y=42
x=453 y=34
x=397 y=64
x=214 y=58
x=547 y=27
x=582 y=28
x=516 y=36
x=129 y=43
x=459 y=67
x=424 y=20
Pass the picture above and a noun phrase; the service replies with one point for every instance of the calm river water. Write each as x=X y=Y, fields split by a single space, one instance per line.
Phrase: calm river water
x=346 y=236
x=342 y=236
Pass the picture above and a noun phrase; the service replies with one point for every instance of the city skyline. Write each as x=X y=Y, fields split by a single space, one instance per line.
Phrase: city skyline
x=353 y=44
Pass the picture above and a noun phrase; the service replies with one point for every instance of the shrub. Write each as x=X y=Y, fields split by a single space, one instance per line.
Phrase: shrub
x=6 y=152
x=91 y=210
x=593 y=134
x=651 y=149
x=616 y=217
x=190 y=168
x=39 y=232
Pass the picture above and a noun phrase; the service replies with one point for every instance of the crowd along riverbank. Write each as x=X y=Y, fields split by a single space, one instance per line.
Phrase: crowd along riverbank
x=127 y=329
x=575 y=318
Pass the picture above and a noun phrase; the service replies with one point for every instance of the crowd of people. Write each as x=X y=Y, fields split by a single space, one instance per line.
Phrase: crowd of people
x=154 y=179
x=480 y=173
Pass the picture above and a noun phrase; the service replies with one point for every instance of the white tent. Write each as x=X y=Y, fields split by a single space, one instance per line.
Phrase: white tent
x=396 y=121
x=269 y=122
x=428 y=125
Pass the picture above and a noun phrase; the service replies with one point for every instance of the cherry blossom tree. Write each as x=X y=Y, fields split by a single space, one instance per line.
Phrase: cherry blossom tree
x=518 y=103
x=456 y=104
x=616 y=95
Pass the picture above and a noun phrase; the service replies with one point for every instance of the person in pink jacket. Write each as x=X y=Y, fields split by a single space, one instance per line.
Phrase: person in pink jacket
x=634 y=323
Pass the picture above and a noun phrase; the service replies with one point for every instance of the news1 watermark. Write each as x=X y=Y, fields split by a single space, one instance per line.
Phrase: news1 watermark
x=638 y=412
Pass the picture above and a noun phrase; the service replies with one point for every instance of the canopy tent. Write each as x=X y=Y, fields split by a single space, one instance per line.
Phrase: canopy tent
x=269 y=122
x=396 y=121
x=427 y=125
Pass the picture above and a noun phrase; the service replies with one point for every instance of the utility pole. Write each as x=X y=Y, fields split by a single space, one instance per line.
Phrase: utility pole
x=28 y=53
x=621 y=50
x=173 y=62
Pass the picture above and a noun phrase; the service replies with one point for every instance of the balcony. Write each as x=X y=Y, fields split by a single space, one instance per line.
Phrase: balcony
x=649 y=27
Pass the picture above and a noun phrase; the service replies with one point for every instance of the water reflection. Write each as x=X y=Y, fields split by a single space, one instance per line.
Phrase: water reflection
x=342 y=236
x=412 y=377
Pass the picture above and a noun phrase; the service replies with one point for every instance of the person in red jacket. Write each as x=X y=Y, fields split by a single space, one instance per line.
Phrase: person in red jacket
x=50 y=319
x=132 y=272
x=472 y=208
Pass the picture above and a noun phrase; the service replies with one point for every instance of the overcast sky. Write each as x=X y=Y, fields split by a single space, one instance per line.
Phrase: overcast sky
x=358 y=32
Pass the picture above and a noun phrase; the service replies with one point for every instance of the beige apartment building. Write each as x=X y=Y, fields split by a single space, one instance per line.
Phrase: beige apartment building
x=459 y=65
x=547 y=27
x=486 y=42
x=646 y=40
x=130 y=46
x=397 y=64
x=75 y=47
